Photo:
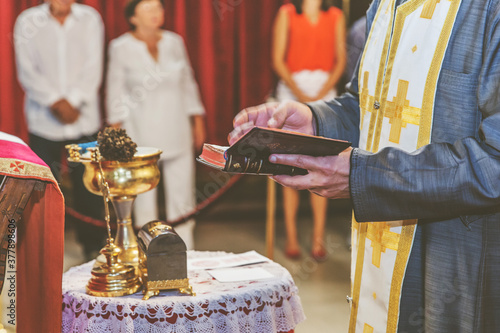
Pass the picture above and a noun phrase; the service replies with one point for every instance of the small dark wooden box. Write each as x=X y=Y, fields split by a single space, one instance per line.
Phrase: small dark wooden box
x=164 y=250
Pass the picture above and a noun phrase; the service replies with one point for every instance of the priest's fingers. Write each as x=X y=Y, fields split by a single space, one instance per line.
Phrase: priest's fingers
x=327 y=176
x=292 y=116
x=295 y=182
x=256 y=116
x=337 y=190
x=333 y=187
x=259 y=114
x=316 y=167
x=324 y=164
x=239 y=131
x=280 y=115
x=301 y=161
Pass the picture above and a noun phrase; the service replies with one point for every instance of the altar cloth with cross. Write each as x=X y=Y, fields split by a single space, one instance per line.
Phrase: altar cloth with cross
x=31 y=200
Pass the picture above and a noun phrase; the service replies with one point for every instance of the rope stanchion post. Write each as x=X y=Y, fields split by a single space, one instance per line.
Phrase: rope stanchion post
x=270 y=217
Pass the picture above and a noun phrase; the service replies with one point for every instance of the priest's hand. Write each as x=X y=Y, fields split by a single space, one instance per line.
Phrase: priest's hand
x=289 y=115
x=328 y=176
x=64 y=112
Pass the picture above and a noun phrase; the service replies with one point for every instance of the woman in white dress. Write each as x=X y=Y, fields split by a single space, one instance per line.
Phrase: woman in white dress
x=151 y=93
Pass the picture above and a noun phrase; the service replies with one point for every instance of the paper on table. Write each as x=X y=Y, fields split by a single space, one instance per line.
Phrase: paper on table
x=230 y=260
x=240 y=274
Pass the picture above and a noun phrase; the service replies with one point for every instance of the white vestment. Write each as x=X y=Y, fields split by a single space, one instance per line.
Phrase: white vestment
x=398 y=75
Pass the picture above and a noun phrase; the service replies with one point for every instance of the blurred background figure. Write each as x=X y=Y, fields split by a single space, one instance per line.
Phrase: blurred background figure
x=151 y=93
x=355 y=44
x=59 y=54
x=308 y=55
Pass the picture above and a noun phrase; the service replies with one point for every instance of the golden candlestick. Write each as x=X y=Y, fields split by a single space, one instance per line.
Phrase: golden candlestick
x=113 y=279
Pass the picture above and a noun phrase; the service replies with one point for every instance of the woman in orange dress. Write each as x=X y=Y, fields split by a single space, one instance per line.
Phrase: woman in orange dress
x=308 y=54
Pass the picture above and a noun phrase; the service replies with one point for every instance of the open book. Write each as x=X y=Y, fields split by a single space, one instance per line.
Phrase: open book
x=250 y=154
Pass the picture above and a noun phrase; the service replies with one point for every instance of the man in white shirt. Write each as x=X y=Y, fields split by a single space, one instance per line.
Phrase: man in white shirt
x=59 y=53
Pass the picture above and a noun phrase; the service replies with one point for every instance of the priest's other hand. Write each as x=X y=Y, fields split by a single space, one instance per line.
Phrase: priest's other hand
x=328 y=176
x=64 y=112
x=289 y=115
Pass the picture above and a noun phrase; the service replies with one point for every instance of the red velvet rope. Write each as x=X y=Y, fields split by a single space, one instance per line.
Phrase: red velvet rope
x=200 y=207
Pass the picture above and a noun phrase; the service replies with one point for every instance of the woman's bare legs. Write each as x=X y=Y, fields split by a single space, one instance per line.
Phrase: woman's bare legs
x=290 y=207
x=319 y=207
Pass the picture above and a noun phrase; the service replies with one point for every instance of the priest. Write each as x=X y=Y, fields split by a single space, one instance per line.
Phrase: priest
x=424 y=110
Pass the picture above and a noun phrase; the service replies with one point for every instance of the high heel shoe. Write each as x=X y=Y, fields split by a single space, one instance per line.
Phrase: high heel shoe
x=293 y=254
x=319 y=254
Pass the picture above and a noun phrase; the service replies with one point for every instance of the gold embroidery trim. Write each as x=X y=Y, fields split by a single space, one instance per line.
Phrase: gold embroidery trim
x=378 y=115
x=424 y=137
x=400 y=113
x=408 y=229
x=365 y=100
x=424 y=133
x=402 y=12
x=380 y=76
x=404 y=249
x=30 y=170
x=168 y=284
x=382 y=238
x=362 y=228
x=357 y=275
x=429 y=8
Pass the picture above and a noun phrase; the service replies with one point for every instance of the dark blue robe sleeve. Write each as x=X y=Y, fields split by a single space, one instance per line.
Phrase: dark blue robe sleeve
x=444 y=179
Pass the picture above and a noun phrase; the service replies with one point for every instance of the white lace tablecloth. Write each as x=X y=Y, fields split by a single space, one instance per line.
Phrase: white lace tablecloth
x=264 y=306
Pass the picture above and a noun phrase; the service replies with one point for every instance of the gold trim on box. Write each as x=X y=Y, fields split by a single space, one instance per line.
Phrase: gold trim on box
x=153 y=287
x=168 y=284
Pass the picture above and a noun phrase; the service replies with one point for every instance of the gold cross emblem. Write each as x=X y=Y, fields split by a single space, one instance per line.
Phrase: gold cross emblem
x=400 y=112
x=382 y=238
x=396 y=108
x=429 y=8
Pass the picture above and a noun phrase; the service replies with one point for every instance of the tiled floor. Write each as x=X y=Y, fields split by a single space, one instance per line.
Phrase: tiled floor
x=236 y=223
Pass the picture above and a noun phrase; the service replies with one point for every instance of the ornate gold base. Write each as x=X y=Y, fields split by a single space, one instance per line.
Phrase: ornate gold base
x=120 y=280
x=152 y=288
x=113 y=279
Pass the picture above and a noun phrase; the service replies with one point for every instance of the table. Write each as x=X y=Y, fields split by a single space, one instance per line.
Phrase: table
x=263 y=306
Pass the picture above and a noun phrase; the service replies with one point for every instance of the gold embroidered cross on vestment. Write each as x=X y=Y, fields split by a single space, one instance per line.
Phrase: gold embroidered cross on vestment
x=429 y=8
x=382 y=238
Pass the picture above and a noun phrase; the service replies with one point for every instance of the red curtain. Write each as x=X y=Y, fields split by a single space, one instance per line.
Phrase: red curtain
x=228 y=43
